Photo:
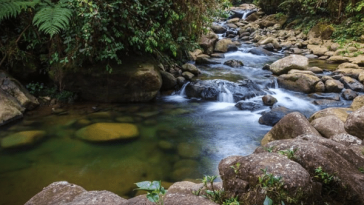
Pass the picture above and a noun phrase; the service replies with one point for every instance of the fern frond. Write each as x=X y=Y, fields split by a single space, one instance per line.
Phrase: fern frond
x=11 y=8
x=51 y=19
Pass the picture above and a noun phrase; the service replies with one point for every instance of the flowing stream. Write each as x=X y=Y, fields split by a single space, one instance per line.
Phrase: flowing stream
x=180 y=138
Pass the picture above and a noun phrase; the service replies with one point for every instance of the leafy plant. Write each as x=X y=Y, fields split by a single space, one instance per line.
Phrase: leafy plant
x=231 y=201
x=269 y=149
x=361 y=169
x=330 y=182
x=35 y=88
x=155 y=191
x=211 y=194
x=289 y=153
x=236 y=167
x=273 y=187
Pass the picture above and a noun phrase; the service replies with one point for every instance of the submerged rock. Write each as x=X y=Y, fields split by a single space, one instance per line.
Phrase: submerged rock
x=212 y=89
x=348 y=94
x=188 y=150
x=21 y=139
x=102 y=132
x=260 y=51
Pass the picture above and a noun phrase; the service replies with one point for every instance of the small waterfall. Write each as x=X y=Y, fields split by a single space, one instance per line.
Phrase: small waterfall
x=183 y=89
x=225 y=95
x=275 y=83
x=245 y=14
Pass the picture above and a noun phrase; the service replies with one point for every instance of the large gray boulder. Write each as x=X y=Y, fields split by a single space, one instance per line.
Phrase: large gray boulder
x=286 y=64
x=13 y=87
x=354 y=124
x=300 y=82
x=328 y=126
x=290 y=126
x=243 y=181
x=14 y=99
x=64 y=193
x=168 y=81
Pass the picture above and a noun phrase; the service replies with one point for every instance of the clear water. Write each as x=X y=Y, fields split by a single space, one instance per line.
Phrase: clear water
x=211 y=130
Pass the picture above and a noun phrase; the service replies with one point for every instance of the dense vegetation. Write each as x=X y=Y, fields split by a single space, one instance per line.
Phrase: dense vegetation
x=346 y=16
x=70 y=33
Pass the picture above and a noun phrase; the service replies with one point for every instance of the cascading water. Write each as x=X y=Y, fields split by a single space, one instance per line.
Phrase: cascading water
x=183 y=90
x=225 y=95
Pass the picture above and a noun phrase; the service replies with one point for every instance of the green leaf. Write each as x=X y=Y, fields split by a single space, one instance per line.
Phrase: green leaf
x=149 y=186
x=268 y=201
x=153 y=197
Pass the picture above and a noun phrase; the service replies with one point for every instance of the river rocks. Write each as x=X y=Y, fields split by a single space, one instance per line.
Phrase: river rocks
x=351 y=72
x=273 y=116
x=234 y=63
x=286 y=64
x=223 y=45
x=334 y=86
x=190 y=68
x=341 y=113
x=251 y=106
x=102 y=132
x=168 y=81
x=271 y=20
x=313 y=152
x=269 y=100
x=193 y=55
x=56 y=193
x=211 y=89
x=205 y=59
x=207 y=42
x=358 y=102
x=328 y=126
x=290 y=126
x=135 y=80
x=187 y=75
x=352 y=84
x=12 y=87
x=338 y=59
x=347 y=65
x=181 y=193
x=355 y=122
x=348 y=94
x=318 y=50
x=260 y=51
x=70 y=194
x=243 y=183
x=321 y=30
x=346 y=139
x=21 y=139
x=10 y=109
x=218 y=28
x=300 y=82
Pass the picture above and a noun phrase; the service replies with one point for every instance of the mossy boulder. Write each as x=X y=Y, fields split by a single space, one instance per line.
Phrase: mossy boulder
x=102 y=132
x=21 y=139
x=321 y=30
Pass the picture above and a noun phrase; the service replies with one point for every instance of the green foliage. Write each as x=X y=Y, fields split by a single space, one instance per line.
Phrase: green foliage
x=289 y=153
x=269 y=149
x=35 y=88
x=361 y=169
x=52 y=18
x=330 y=183
x=216 y=196
x=273 y=187
x=155 y=191
x=231 y=201
x=235 y=167
x=11 y=8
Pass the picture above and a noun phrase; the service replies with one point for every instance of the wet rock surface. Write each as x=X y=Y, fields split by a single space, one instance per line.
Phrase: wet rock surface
x=211 y=89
